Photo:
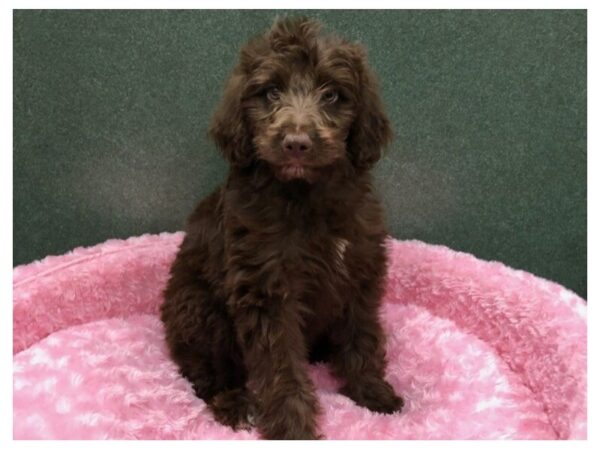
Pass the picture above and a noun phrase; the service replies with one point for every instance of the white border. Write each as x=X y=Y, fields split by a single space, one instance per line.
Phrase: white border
x=6 y=205
x=593 y=225
x=306 y=4
x=6 y=223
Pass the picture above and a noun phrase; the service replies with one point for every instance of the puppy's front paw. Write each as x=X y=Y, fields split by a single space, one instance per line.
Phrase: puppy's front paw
x=289 y=428
x=294 y=418
x=376 y=395
x=299 y=435
x=234 y=408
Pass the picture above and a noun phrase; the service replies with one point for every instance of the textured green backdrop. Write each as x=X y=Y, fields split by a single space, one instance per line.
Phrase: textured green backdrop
x=489 y=107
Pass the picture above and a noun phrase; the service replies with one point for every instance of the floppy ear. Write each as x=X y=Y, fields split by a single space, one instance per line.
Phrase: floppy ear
x=228 y=128
x=371 y=130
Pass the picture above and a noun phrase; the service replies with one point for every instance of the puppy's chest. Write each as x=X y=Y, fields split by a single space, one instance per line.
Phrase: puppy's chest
x=324 y=256
x=321 y=275
x=339 y=249
x=300 y=260
x=320 y=271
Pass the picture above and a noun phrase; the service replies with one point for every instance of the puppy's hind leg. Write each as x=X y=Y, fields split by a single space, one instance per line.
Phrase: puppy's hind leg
x=203 y=344
x=360 y=361
x=224 y=393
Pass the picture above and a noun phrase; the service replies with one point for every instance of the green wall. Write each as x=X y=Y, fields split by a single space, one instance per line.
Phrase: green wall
x=111 y=110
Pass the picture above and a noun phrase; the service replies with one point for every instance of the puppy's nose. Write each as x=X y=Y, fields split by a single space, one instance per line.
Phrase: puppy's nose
x=297 y=144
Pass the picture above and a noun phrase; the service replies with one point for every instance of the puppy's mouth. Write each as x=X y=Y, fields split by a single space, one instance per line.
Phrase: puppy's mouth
x=295 y=170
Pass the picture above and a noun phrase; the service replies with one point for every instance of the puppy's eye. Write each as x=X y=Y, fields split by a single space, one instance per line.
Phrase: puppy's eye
x=330 y=96
x=273 y=94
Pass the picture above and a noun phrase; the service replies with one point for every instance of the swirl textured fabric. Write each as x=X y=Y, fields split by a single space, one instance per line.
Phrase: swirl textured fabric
x=479 y=351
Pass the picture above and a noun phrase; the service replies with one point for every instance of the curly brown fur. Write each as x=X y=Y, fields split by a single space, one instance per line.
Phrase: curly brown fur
x=285 y=262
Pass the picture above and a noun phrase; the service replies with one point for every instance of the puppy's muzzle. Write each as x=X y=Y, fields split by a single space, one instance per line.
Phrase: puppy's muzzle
x=297 y=145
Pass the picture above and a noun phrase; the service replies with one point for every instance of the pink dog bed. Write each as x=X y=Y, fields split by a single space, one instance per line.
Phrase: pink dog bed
x=478 y=350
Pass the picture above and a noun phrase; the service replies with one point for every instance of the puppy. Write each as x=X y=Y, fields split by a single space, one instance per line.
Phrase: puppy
x=285 y=262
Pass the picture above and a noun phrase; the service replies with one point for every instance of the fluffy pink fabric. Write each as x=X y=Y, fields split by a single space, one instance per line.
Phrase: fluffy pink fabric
x=478 y=350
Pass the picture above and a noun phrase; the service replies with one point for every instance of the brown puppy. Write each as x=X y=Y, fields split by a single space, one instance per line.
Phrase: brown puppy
x=285 y=262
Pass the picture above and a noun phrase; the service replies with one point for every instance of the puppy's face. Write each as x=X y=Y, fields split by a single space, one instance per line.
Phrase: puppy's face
x=300 y=110
x=303 y=103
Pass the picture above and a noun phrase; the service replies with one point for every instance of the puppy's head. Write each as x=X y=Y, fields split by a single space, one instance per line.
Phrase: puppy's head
x=303 y=102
